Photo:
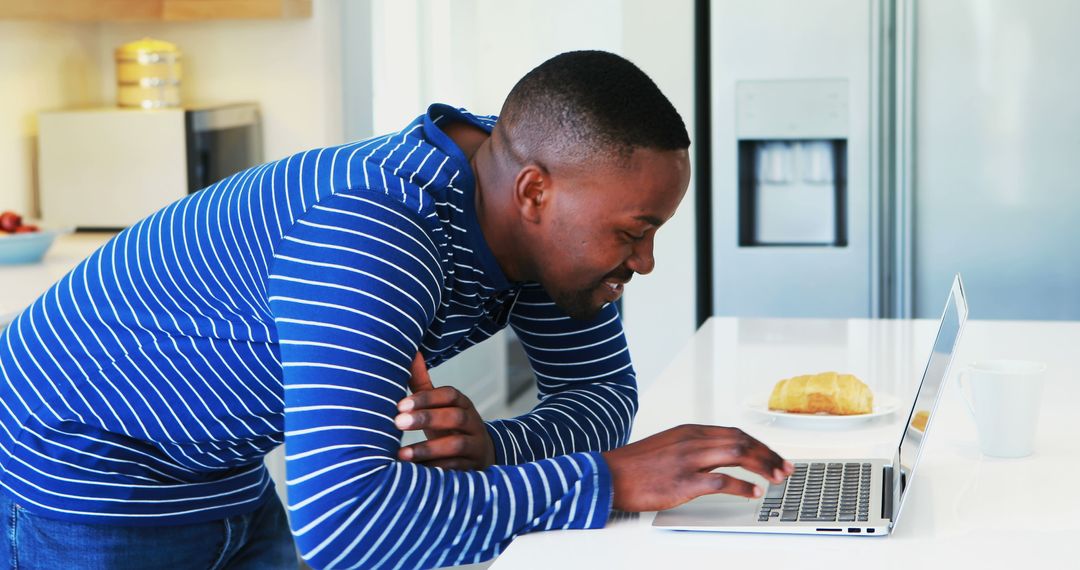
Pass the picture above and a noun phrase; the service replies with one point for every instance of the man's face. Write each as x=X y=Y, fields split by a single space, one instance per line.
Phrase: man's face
x=600 y=223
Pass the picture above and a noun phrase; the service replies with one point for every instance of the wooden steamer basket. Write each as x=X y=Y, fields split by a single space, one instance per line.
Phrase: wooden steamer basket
x=148 y=74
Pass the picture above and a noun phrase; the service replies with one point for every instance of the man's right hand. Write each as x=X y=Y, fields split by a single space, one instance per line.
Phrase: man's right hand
x=674 y=466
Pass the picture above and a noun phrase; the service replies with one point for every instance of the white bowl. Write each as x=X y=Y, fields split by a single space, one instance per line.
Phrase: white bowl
x=27 y=247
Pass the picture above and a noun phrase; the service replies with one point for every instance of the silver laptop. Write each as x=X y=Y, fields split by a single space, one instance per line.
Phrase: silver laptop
x=851 y=497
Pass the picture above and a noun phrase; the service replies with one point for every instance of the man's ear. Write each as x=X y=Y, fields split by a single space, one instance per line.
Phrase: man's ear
x=532 y=187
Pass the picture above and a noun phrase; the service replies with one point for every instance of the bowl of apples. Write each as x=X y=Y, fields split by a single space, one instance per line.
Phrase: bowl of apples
x=23 y=242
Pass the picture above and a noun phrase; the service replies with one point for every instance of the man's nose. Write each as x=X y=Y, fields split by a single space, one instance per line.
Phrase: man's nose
x=641 y=259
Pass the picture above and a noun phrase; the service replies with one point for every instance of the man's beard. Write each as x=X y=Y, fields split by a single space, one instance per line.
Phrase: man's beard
x=578 y=304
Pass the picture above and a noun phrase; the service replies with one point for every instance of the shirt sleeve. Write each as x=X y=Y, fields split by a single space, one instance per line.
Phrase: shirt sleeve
x=354 y=284
x=587 y=387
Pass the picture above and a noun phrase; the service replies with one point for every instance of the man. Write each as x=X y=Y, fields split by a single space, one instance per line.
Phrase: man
x=296 y=301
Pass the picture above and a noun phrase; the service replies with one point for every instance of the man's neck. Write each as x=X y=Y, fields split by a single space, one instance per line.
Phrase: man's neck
x=466 y=136
x=491 y=206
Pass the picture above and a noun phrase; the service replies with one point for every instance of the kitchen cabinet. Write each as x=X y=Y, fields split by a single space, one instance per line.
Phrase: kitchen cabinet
x=153 y=10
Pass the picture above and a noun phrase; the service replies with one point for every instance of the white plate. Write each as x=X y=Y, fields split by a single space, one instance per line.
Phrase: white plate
x=884 y=405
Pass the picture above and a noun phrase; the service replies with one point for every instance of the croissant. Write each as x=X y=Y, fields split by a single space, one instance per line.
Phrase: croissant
x=920 y=419
x=828 y=392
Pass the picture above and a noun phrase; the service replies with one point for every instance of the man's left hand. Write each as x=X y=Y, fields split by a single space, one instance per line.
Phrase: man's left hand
x=456 y=435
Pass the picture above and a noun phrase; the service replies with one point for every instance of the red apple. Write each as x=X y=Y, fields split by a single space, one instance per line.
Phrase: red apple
x=26 y=229
x=10 y=221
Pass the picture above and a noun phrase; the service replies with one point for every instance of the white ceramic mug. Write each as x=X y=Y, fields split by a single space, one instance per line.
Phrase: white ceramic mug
x=1003 y=396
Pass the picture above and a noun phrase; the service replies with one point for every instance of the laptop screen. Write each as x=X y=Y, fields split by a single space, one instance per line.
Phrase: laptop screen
x=926 y=398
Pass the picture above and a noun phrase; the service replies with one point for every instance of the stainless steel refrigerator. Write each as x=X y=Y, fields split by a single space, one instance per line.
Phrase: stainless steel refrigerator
x=865 y=151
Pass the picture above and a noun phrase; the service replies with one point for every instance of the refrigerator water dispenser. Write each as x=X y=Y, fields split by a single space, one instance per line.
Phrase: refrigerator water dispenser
x=792 y=163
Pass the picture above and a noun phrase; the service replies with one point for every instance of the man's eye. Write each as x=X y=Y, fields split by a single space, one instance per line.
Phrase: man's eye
x=632 y=237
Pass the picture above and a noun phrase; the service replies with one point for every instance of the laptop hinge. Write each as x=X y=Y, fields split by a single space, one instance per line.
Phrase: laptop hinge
x=887 y=492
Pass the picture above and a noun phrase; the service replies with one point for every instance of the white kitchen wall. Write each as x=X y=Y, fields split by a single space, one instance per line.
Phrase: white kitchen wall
x=469 y=53
x=42 y=66
x=661 y=308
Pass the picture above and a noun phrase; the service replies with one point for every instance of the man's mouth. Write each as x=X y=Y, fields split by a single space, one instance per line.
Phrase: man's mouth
x=614 y=288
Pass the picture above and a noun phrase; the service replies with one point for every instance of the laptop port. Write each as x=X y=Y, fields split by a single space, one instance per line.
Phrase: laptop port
x=869 y=531
x=830 y=530
x=854 y=530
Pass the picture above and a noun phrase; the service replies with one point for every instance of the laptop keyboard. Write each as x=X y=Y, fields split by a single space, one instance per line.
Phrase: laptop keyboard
x=820 y=492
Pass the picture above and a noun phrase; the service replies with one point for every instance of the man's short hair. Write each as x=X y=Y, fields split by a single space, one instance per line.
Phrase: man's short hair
x=584 y=106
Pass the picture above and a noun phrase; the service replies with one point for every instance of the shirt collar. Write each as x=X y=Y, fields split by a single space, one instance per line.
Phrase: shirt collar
x=440 y=113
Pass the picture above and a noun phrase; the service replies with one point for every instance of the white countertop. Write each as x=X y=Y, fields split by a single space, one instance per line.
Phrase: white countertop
x=21 y=284
x=964 y=510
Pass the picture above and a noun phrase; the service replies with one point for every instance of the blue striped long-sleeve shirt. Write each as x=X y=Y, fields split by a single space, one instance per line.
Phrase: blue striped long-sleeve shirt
x=283 y=305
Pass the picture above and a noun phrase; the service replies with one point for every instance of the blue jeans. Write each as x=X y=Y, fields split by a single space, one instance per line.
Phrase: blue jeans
x=256 y=540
